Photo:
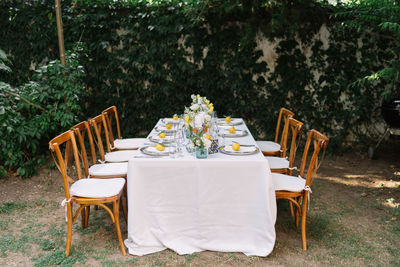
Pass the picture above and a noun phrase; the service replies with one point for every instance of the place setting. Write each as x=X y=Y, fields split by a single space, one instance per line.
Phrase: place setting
x=228 y=121
x=157 y=150
x=231 y=131
x=237 y=149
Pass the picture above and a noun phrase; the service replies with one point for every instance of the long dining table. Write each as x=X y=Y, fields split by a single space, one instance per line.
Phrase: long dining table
x=222 y=203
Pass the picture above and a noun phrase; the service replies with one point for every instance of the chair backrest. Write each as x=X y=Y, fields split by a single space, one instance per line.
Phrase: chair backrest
x=81 y=130
x=100 y=126
x=110 y=114
x=315 y=141
x=295 y=132
x=285 y=114
x=57 y=144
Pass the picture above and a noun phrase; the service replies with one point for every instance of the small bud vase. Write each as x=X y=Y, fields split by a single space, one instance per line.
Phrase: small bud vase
x=201 y=153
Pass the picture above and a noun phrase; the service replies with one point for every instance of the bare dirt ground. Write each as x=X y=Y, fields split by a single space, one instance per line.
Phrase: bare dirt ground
x=354 y=220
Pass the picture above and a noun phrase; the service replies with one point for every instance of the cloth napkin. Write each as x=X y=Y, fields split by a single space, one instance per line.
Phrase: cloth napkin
x=241 y=149
x=170 y=120
x=153 y=149
x=156 y=137
x=222 y=121
x=237 y=132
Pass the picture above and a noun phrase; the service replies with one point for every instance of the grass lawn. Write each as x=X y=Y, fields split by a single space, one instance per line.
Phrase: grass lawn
x=354 y=220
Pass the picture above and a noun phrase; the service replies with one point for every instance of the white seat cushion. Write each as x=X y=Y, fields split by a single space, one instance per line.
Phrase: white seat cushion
x=109 y=169
x=277 y=163
x=268 y=146
x=96 y=188
x=129 y=143
x=120 y=156
x=283 y=182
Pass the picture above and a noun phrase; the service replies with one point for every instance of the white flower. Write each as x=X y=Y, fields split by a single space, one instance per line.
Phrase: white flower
x=207 y=142
x=194 y=107
x=207 y=118
x=199 y=119
x=198 y=142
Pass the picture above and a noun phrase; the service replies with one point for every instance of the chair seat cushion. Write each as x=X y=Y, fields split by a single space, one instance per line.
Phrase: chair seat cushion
x=268 y=146
x=109 y=169
x=120 y=156
x=283 y=182
x=129 y=143
x=97 y=188
x=277 y=163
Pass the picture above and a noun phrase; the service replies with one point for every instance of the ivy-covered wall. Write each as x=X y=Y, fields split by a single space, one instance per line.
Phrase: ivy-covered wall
x=147 y=58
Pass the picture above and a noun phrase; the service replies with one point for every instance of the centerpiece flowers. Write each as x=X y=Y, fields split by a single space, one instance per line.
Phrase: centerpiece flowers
x=197 y=123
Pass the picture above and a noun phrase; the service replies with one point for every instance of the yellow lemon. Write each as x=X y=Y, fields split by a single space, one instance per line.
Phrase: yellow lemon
x=187 y=119
x=235 y=147
x=228 y=119
x=208 y=137
x=160 y=147
x=161 y=135
x=168 y=126
x=232 y=130
x=175 y=118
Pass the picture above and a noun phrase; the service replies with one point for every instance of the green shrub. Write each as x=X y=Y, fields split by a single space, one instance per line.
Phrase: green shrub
x=36 y=111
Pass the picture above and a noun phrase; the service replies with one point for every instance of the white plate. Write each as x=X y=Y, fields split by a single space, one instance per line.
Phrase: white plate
x=233 y=122
x=157 y=139
x=238 y=133
x=152 y=151
x=160 y=128
x=243 y=150
x=169 y=120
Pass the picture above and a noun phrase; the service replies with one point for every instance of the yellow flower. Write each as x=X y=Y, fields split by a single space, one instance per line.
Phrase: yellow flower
x=198 y=96
x=208 y=137
x=211 y=109
x=187 y=119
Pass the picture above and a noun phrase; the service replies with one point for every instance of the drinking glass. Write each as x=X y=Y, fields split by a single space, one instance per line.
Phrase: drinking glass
x=179 y=139
x=172 y=150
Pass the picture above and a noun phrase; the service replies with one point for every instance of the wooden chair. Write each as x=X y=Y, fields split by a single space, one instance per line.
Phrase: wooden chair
x=111 y=115
x=275 y=148
x=100 y=127
x=283 y=164
x=92 y=168
x=83 y=191
x=296 y=189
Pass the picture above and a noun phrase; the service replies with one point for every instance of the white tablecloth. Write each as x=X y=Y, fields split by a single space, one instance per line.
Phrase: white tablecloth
x=222 y=203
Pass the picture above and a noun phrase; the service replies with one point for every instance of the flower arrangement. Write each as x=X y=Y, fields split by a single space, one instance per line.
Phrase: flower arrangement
x=198 y=121
x=198 y=114
x=201 y=140
x=201 y=104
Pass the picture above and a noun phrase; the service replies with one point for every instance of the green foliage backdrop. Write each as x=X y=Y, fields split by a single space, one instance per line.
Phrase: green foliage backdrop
x=147 y=58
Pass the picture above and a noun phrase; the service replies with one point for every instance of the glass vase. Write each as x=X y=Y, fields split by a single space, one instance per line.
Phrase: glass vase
x=201 y=153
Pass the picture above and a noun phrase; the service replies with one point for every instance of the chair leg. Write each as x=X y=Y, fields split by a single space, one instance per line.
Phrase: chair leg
x=87 y=216
x=69 y=230
x=116 y=215
x=291 y=208
x=303 y=221
x=297 y=216
x=83 y=217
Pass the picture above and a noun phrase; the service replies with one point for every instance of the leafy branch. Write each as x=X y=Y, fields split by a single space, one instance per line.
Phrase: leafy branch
x=25 y=100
